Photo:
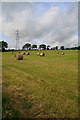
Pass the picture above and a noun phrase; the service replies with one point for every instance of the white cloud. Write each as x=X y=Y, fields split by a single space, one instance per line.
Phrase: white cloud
x=40 y=0
x=52 y=27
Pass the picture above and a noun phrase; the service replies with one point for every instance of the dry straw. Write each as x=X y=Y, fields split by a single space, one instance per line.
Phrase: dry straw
x=19 y=56
x=42 y=54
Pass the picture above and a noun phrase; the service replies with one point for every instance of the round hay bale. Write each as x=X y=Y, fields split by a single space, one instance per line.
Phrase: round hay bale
x=57 y=52
x=19 y=56
x=24 y=53
x=27 y=53
x=62 y=53
x=38 y=54
x=42 y=54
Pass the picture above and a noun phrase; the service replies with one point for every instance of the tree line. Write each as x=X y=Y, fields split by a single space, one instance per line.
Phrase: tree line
x=28 y=46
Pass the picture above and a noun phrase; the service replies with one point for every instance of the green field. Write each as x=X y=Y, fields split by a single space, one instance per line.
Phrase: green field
x=40 y=87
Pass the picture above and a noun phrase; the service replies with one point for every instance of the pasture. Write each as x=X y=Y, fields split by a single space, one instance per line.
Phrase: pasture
x=40 y=86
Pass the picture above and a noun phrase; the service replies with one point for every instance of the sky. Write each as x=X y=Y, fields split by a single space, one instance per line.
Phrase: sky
x=50 y=23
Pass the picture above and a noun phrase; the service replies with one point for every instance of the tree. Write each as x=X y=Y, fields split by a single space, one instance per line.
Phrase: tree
x=27 y=45
x=23 y=47
x=56 y=48
x=34 y=46
x=62 y=47
x=48 y=47
x=42 y=46
x=78 y=47
x=3 y=45
x=53 y=48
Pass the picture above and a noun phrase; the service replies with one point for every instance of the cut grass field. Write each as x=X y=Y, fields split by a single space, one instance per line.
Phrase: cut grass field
x=40 y=87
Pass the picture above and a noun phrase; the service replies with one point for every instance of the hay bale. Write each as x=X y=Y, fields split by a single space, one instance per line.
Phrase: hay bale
x=19 y=56
x=62 y=53
x=57 y=52
x=38 y=54
x=24 y=53
x=27 y=53
x=42 y=54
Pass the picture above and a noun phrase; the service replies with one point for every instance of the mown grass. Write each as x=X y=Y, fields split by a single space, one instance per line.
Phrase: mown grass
x=41 y=87
x=8 y=110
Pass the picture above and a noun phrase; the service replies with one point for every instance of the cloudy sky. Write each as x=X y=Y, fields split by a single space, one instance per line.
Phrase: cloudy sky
x=51 y=23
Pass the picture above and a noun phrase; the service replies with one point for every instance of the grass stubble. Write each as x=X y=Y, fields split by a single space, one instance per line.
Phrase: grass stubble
x=40 y=87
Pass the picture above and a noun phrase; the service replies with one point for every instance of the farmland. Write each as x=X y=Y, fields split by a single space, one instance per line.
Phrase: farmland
x=40 y=87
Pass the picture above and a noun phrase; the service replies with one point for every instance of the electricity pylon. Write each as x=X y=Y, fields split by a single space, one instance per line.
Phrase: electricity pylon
x=17 y=40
